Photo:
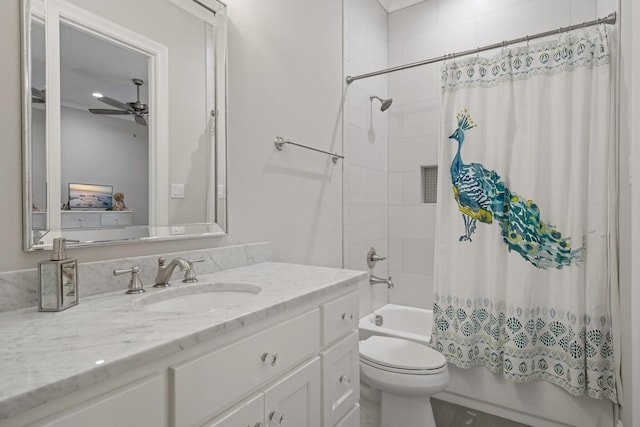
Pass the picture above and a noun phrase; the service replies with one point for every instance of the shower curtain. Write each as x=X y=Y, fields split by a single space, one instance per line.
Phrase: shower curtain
x=526 y=218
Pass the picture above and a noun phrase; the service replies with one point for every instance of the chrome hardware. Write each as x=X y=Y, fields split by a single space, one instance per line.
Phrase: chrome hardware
x=164 y=273
x=347 y=316
x=344 y=379
x=280 y=141
x=375 y=280
x=379 y=320
x=373 y=258
x=135 y=285
x=60 y=248
x=270 y=358
x=276 y=418
x=190 y=274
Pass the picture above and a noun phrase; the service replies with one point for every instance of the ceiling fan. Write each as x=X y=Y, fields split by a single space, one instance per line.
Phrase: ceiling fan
x=137 y=108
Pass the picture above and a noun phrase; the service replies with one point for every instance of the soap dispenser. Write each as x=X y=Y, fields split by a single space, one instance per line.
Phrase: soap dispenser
x=58 y=279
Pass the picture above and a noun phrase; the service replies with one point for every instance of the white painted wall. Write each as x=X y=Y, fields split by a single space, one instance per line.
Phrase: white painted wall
x=366 y=214
x=285 y=77
x=106 y=150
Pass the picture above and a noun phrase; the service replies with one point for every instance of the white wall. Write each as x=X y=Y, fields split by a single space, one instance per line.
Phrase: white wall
x=431 y=29
x=106 y=150
x=285 y=77
x=366 y=214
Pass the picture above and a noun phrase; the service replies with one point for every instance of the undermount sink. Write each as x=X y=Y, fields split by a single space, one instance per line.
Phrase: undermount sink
x=199 y=298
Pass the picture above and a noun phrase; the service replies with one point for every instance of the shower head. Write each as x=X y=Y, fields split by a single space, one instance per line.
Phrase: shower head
x=386 y=103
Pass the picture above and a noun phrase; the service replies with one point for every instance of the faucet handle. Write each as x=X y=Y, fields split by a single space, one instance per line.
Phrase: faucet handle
x=135 y=285
x=190 y=274
x=161 y=261
x=373 y=257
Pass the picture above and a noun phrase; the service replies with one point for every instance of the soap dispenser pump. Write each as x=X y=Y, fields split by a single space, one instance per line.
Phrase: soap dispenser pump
x=58 y=279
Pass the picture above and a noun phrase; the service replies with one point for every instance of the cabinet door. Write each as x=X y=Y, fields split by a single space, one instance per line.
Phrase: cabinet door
x=340 y=379
x=294 y=401
x=141 y=404
x=249 y=413
x=352 y=419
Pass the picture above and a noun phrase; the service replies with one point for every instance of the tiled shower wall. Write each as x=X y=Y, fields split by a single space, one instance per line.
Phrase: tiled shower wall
x=366 y=215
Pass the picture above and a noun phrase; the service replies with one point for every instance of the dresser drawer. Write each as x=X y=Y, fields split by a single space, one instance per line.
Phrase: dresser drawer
x=113 y=219
x=206 y=384
x=80 y=219
x=340 y=378
x=339 y=317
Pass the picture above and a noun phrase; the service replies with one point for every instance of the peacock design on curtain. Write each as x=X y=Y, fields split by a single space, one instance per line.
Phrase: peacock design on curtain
x=482 y=196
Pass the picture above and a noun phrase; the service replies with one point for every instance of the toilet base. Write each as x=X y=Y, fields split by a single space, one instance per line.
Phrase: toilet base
x=398 y=411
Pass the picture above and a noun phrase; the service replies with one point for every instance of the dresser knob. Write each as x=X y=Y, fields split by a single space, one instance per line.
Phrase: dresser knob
x=344 y=379
x=347 y=316
x=270 y=358
x=276 y=418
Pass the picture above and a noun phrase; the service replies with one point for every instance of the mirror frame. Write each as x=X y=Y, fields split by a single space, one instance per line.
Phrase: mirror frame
x=151 y=232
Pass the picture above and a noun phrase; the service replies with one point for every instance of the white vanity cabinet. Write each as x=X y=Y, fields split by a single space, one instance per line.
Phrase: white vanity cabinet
x=340 y=361
x=298 y=368
x=293 y=400
x=136 y=404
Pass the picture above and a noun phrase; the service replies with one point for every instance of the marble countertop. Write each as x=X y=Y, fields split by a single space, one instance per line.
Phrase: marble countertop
x=44 y=356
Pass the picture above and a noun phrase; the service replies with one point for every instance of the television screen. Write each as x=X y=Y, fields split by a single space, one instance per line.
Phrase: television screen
x=90 y=196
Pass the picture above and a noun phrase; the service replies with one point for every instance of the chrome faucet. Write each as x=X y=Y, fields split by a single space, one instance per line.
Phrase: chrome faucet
x=375 y=280
x=164 y=272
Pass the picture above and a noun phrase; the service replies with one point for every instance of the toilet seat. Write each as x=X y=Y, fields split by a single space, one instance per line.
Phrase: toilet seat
x=401 y=356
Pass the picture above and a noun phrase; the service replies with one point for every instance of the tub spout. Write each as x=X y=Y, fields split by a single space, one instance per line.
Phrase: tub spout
x=375 y=280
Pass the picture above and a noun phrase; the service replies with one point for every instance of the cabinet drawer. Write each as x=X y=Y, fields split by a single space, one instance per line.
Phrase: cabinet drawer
x=249 y=413
x=116 y=219
x=80 y=219
x=340 y=378
x=204 y=385
x=339 y=317
x=352 y=419
x=137 y=404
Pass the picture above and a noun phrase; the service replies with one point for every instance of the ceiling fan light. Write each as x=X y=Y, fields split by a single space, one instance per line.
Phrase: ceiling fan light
x=97 y=94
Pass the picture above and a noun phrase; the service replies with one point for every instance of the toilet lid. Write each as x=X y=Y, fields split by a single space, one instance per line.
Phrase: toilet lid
x=401 y=354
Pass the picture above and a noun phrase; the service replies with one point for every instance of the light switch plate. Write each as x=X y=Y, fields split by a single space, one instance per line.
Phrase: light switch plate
x=177 y=191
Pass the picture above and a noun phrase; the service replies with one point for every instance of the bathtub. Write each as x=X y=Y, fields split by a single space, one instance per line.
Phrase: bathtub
x=398 y=321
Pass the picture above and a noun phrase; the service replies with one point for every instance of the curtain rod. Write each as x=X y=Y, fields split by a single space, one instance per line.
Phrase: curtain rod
x=610 y=19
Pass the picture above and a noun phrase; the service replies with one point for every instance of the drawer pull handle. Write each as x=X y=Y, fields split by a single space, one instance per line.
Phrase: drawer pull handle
x=347 y=316
x=270 y=358
x=258 y=424
x=344 y=379
x=276 y=418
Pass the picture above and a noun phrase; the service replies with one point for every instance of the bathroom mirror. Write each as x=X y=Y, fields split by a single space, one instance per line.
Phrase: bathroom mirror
x=124 y=120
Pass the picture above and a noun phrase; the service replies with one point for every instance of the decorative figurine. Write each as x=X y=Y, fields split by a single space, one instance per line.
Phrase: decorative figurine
x=118 y=204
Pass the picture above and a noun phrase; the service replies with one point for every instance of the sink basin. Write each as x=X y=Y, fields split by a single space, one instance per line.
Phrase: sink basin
x=207 y=297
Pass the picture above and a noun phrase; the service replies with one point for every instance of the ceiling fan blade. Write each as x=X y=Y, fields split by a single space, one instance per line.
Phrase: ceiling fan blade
x=114 y=103
x=37 y=93
x=106 y=111
x=140 y=120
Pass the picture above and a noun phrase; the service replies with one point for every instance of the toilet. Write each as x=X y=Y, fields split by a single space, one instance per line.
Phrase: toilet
x=406 y=373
